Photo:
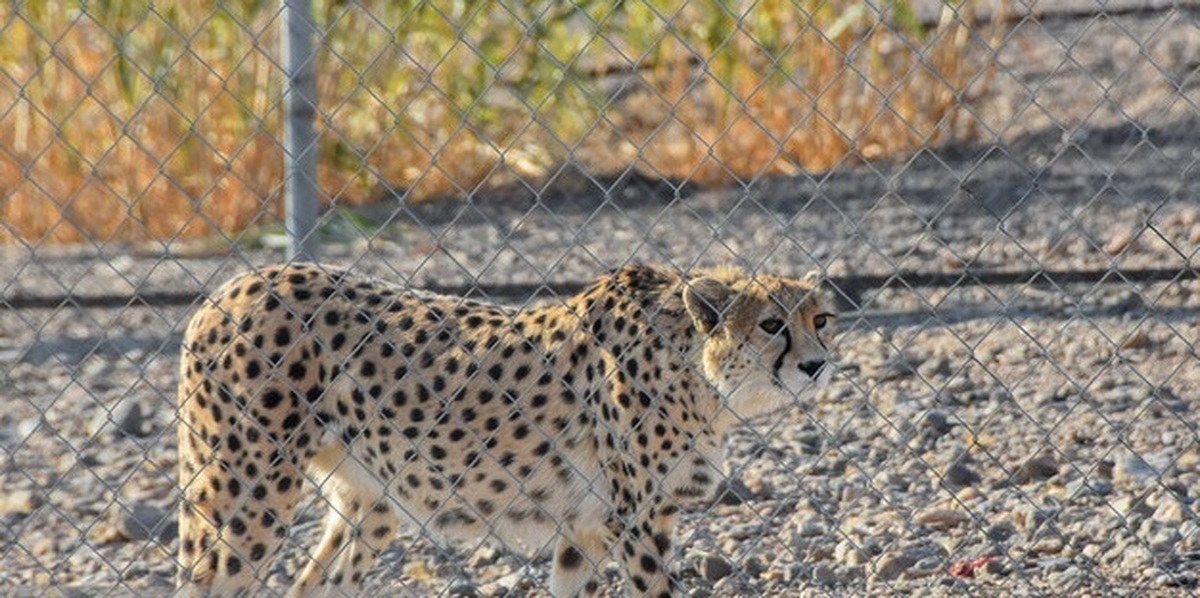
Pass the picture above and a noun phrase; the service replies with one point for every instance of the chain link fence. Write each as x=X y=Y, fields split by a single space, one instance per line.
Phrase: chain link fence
x=1003 y=198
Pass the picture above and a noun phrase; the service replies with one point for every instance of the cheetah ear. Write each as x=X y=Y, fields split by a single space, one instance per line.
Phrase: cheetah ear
x=706 y=300
x=813 y=279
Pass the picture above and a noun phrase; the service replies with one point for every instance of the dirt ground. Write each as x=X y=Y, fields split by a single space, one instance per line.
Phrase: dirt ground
x=993 y=440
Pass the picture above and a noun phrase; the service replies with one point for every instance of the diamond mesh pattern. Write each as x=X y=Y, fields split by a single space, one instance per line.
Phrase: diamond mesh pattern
x=1003 y=201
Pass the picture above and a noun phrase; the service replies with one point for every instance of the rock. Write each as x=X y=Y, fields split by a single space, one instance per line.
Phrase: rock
x=1132 y=471
x=127 y=419
x=898 y=367
x=1029 y=518
x=1136 y=557
x=891 y=566
x=825 y=575
x=1138 y=340
x=1088 y=487
x=1128 y=505
x=1000 y=532
x=463 y=589
x=936 y=424
x=730 y=586
x=958 y=475
x=714 y=567
x=732 y=491
x=810 y=442
x=849 y=554
x=1164 y=540
x=1119 y=242
x=1190 y=530
x=518 y=581
x=811 y=528
x=753 y=566
x=941 y=519
x=935 y=368
x=30 y=426
x=483 y=556
x=1048 y=545
x=1036 y=469
x=143 y=522
x=19 y=503
x=1068 y=577
x=1170 y=511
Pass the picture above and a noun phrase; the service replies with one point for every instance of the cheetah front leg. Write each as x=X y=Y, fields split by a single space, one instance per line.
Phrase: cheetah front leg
x=645 y=548
x=578 y=558
x=359 y=525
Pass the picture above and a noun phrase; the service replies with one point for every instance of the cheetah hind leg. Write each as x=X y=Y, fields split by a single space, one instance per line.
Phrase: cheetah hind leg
x=578 y=558
x=230 y=526
x=358 y=526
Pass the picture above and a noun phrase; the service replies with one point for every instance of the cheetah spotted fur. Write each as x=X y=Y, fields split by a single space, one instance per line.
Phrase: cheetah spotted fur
x=585 y=424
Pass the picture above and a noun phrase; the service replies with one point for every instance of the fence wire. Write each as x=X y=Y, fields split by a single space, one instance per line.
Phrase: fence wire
x=1000 y=197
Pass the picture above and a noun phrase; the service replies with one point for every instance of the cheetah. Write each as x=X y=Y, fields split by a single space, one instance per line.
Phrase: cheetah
x=578 y=428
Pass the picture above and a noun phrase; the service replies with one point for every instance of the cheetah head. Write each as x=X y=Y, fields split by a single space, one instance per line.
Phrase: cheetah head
x=766 y=339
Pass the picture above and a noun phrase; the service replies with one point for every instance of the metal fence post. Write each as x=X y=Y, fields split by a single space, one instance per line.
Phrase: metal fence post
x=299 y=134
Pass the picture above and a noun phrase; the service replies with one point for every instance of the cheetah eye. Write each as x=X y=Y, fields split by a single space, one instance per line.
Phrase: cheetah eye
x=771 y=326
x=820 y=320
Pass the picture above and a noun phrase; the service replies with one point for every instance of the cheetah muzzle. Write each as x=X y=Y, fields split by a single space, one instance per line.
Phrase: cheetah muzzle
x=588 y=422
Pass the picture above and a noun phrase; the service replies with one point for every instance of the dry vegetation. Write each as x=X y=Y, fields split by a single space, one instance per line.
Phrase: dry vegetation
x=120 y=122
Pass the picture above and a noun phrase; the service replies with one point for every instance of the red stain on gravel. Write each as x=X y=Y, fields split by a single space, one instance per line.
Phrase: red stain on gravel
x=967 y=569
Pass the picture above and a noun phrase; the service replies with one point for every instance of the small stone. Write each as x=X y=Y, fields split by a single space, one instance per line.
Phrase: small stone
x=1068 y=577
x=418 y=571
x=1138 y=340
x=45 y=546
x=731 y=491
x=19 y=503
x=935 y=368
x=483 y=556
x=1170 y=511
x=824 y=575
x=127 y=419
x=811 y=528
x=518 y=582
x=810 y=442
x=30 y=426
x=143 y=522
x=849 y=554
x=941 y=519
x=1041 y=467
x=892 y=566
x=969 y=494
x=1164 y=540
x=1132 y=471
x=1048 y=545
x=936 y=424
x=899 y=366
x=958 y=475
x=1190 y=530
x=753 y=566
x=1128 y=505
x=1119 y=242
x=1136 y=557
x=1028 y=518
x=1082 y=487
x=727 y=587
x=715 y=567
x=463 y=589
x=1000 y=532
x=926 y=567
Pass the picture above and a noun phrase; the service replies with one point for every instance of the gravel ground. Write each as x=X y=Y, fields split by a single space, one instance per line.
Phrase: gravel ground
x=988 y=440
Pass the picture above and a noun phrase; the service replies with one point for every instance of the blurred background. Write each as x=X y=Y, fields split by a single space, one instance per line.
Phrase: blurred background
x=1003 y=195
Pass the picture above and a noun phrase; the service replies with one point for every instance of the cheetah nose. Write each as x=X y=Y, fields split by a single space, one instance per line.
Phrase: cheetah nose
x=812 y=367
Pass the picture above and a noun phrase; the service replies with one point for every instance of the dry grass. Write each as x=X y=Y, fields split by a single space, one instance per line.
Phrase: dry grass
x=122 y=123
